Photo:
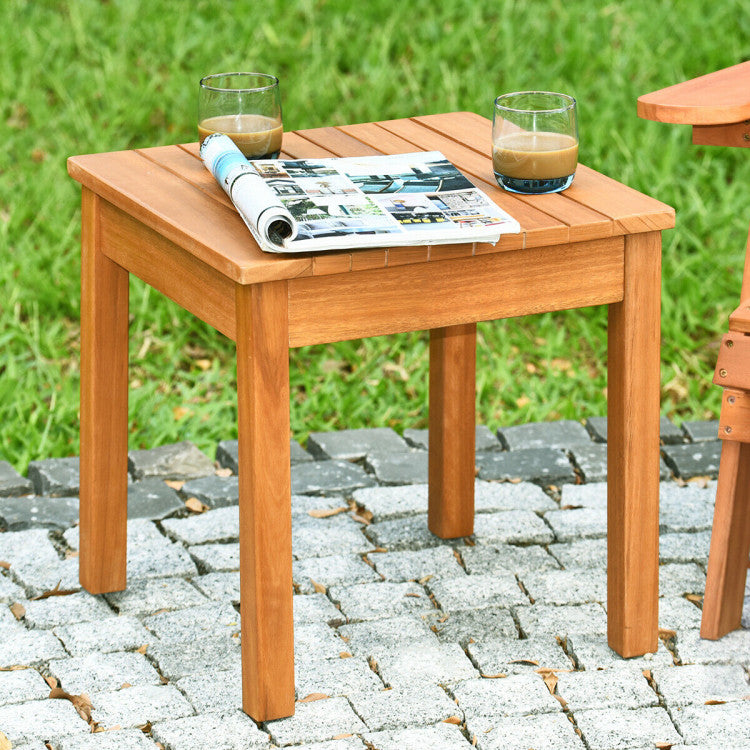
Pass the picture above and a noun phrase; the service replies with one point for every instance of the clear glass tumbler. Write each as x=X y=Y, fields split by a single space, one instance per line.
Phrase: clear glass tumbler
x=535 y=141
x=244 y=106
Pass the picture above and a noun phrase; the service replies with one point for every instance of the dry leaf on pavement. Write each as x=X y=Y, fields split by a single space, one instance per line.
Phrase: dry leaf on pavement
x=195 y=505
x=81 y=703
x=314 y=697
x=327 y=512
x=4 y=742
x=18 y=610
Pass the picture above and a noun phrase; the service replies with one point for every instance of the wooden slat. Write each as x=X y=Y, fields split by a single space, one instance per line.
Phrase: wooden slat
x=714 y=99
x=736 y=134
x=178 y=211
x=630 y=210
x=371 y=134
x=299 y=147
x=192 y=284
x=734 y=421
x=452 y=292
x=403 y=256
x=733 y=363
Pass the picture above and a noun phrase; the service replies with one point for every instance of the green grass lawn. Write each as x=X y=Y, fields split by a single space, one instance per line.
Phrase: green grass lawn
x=96 y=75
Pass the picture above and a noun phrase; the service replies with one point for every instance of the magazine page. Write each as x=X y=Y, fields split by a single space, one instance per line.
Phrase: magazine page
x=358 y=202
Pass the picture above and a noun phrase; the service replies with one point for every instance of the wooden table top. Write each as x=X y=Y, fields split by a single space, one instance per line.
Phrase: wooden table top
x=719 y=98
x=168 y=189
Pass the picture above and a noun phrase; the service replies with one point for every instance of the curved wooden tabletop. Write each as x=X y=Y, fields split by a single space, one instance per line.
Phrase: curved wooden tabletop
x=719 y=98
x=168 y=189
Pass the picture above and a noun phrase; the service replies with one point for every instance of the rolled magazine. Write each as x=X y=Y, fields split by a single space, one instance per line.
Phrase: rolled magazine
x=259 y=206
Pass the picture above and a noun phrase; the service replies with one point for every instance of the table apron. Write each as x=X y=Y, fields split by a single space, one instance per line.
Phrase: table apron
x=452 y=292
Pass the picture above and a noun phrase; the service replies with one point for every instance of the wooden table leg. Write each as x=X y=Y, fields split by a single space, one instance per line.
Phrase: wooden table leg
x=265 y=500
x=452 y=428
x=633 y=451
x=104 y=411
x=730 y=543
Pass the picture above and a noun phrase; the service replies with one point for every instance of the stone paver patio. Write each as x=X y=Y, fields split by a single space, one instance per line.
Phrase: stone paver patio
x=403 y=641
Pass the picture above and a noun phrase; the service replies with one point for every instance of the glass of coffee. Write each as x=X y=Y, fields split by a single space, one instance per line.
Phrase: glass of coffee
x=534 y=141
x=244 y=106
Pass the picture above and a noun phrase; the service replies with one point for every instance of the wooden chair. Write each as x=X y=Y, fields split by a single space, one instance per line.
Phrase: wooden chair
x=718 y=107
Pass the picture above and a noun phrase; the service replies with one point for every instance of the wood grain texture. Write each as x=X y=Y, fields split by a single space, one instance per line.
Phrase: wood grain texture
x=451 y=430
x=733 y=363
x=713 y=99
x=265 y=501
x=452 y=292
x=633 y=452
x=730 y=544
x=734 y=420
x=104 y=410
x=737 y=134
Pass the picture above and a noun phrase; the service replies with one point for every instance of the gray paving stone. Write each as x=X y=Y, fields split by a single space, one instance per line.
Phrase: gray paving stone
x=214 y=690
x=12 y=483
x=227 y=731
x=551 y=730
x=348 y=743
x=467 y=626
x=176 y=461
x=499 y=590
x=213 y=491
x=621 y=729
x=582 y=553
x=122 y=739
x=48 y=720
x=495 y=496
x=223 y=587
x=64 y=610
x=195 y=623
x=312 y=722
x=577 y=523
x=309 y=505
x=685 y=509
x=19 y=513
x=328 y=477
x=563 y=620
x=146 y=597
x=319 y=537
x=311 y=608
x=679 y=614
x=371 y=639
x=177 y=660
x=151 y=498
x=589 y=495
x=610 y=688
x=331 y=677
x=220 y=525
x=695 y=684
x=571 y=586
x=591 y=460
x=38 y=577
x=437 y=737
x=592 y=652
x=139 y=705
x=489 y=560
x=560 y=434
x=699 y=432
x=684 y=548
x=372 y=601
x=25 y=647
x=212 y=558
x=9 y=591
x=416 y=565
x=55 y=476
x=117 y=633
x=332 y=570
x=21 y=686
x=97 y=672
x=405 y=707
x=733 y=648
x=227 y=454
x=668 y=431
x=354 y=445
x=398 y=468
x=141 y=532
x=33 y=546
x=411 y=664
x=678 y=579
x=317 y=641
x=517 y=695
x=514 y=656
x=694 y=459
x=726 y=725
x=485 y=439
x=546 y=466
x=597 y=428
x=511 y=526
x=403 y=533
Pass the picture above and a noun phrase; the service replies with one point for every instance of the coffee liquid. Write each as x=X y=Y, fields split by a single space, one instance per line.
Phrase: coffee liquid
x=257 y=136
x=535 y=162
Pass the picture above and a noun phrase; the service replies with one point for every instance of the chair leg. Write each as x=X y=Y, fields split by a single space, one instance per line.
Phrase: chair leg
x=730 y=543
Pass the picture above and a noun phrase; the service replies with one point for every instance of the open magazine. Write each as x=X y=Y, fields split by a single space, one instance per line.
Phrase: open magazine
x=304 y=205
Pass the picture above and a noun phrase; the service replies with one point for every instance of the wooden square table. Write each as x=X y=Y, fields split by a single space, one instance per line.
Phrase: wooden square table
x=157 y=213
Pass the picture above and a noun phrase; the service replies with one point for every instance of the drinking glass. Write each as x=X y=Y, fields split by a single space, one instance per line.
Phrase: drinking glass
x=534 y=141
x=244 y=106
